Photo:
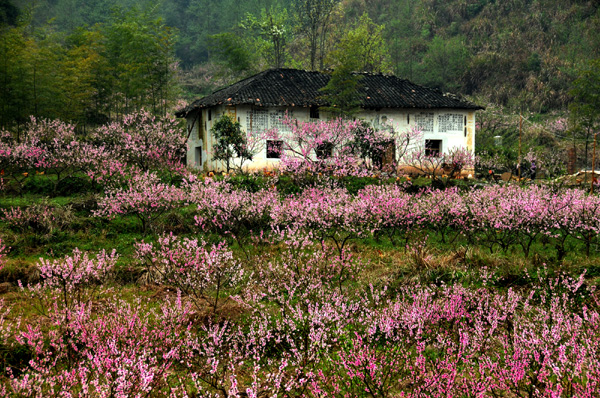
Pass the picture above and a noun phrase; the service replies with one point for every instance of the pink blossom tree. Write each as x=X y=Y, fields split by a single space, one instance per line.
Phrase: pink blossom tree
x=73 y=280
x=145 y=197
x=200 y=271
x=145 y=141
x=119 y=352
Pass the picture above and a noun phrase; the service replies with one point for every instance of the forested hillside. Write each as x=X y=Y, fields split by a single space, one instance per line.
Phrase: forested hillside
x=88 y=61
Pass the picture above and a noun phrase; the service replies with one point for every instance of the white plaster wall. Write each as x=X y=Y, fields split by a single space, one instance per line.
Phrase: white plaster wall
x=400 y=119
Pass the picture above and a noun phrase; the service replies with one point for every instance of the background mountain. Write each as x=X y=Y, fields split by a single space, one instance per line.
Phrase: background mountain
x=521 y=54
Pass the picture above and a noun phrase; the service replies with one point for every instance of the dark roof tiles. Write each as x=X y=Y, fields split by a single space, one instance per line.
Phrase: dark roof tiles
x=285 y=87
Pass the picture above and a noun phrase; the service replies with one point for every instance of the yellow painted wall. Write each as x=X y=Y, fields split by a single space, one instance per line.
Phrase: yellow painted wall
x=471 y=131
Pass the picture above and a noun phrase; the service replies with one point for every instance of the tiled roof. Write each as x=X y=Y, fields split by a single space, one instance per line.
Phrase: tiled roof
x=292 y=87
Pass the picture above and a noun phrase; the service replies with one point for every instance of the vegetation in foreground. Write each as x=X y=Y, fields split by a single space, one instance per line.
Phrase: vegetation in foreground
x=135 y=277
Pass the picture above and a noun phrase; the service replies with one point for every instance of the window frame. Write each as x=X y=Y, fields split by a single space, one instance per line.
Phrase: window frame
x=433 y=151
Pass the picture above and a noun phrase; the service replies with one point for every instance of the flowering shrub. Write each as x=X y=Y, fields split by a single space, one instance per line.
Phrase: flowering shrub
x=455 y=341
x=316 y=146
x=145 y=197
x=496 y=217
x=144 y=141
x=333 y=214
x=141 y=142
x=120 y=352
x=3 y=252
x=553 y=164
x=48 y=147
x=443 y=166
x=231 y=212
x=340 y=147
x=19 y=159
x=104 y=168
x=72 y=281
x=199 y=271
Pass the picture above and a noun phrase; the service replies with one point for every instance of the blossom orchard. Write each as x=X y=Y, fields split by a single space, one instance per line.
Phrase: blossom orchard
x=304 y=318
x=301 y=335
x=497 y=217
x=141 y=142
x=146 y=197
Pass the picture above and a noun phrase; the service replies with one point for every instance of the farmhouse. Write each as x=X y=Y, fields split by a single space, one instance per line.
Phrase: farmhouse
x=261 y=102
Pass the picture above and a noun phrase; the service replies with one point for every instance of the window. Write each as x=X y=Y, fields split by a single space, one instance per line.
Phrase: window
x=274 y=149
x=257 y=120
x=276 y=120
x=424 y=122
x=210 y=114
x=450 y=122
x=314 y=112
x=433 y=148
x=324 y=150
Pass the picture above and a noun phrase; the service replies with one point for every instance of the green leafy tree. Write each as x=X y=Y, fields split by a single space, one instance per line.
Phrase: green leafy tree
x=403 y=38
x=139 y=49
x=14 y=104
x=44 y=63
x=273 y=32
x=9 y=13
x=232 y=51
x=361 y=49
x=445 y=63
x=364 y=47
x=230 y=143
x=31 y=74
x=341 y=91
x=88 y=77
x=313 y=18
